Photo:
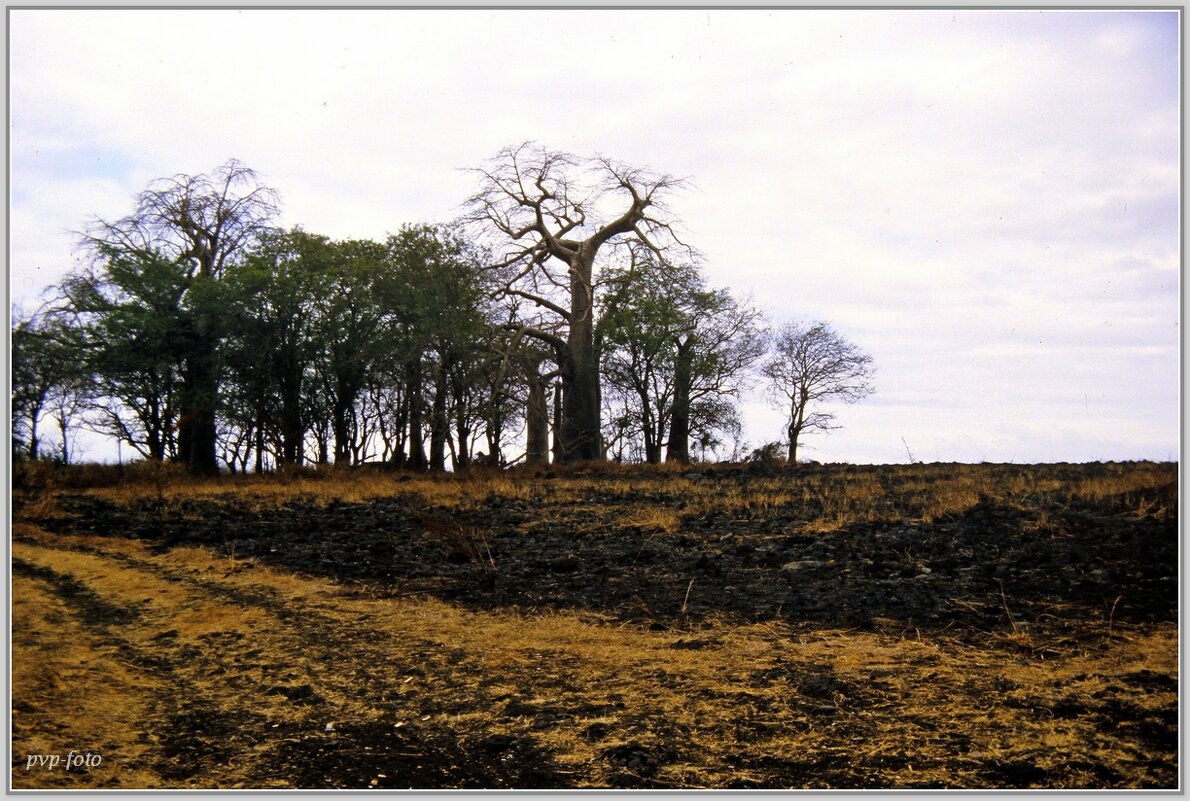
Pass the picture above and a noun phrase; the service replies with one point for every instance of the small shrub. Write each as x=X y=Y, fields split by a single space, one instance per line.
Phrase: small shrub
x=770 y=453
x=464 y=540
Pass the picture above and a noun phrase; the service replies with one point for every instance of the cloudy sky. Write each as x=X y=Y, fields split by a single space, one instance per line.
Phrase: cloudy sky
x=985 y=201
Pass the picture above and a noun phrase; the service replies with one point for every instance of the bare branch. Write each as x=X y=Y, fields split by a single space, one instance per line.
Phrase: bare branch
x=812 y=363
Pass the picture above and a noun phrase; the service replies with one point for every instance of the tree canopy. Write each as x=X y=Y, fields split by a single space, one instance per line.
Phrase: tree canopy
x=563 y=317
x=811 y=364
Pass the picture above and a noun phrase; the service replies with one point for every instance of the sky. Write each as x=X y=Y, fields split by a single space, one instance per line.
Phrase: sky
x=986 y=202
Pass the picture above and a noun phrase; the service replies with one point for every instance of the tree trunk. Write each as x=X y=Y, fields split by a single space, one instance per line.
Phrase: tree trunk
x=559 y=392
x=292 y=430
x=462 y=443
x=196 y=426
x=679 y=422
x=494 y=430
x=537 y=422
x=652 y=452
x=795 y=428
x=322 y=444
x=417 y=452
x=399 y=458
x=259 y=444
x=342 y=426
x=155 y=431
x=62 y=426
x=439 y=425
x=581 y=438
x=168 y=428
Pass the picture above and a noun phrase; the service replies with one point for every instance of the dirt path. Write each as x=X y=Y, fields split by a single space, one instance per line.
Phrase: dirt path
x=182 y=667
x=251 y=684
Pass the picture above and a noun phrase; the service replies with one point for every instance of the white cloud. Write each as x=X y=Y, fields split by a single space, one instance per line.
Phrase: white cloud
x=987 y=201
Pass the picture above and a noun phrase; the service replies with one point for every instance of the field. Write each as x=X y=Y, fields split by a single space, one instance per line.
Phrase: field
x=921 y=626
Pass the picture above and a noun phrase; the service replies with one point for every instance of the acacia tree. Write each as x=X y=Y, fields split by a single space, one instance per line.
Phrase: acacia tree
x=203 y=223
x=812 y=363
x=678 y=352
x=348 y=331
x=549 y=216
x=47 y=378
x=273 y=303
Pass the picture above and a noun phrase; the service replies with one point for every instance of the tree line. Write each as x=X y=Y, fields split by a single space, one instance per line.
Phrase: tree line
x=562 y=318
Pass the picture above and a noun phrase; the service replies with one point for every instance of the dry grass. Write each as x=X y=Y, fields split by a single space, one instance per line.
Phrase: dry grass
x=729 y=698
x=831 y=500
x=726 y=704
x=71 y=691
x=653 y=520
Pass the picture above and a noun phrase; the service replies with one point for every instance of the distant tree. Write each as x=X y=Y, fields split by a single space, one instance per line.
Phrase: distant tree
x=712 y=418
x=504 y=376
x=435 y=319
x=812 y=363
x=74 y=391
x=202 y=223
x=32 y=378
x=270 y=344
x=517 y=378
x=128 y=311
x=677 y=351
x=550 y=216
x=48 y=378
x=715 y=350
x=636 y=334
x=350 y=334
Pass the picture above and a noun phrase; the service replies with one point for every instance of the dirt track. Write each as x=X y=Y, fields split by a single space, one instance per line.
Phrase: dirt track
x=588 y=632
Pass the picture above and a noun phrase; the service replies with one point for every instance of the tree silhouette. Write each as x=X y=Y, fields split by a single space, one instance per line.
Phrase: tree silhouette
x=201 y=223
x=811 y=363
x=550 y=216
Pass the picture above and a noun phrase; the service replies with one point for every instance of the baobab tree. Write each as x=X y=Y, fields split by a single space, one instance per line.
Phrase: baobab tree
x=812 y=363
x=202 y=223
x=549 y=218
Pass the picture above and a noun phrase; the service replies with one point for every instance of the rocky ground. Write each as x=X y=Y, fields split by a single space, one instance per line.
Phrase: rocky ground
x=1058 y=563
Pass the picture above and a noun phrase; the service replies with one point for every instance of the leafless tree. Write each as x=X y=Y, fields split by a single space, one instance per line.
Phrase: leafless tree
x=203 y=222
x=812 y=363
x=549 y=216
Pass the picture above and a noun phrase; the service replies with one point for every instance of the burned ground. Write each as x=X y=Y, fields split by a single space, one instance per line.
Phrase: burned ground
x=838 y=626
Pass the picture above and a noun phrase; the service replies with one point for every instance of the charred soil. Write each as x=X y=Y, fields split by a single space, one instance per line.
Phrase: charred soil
x=963 y=626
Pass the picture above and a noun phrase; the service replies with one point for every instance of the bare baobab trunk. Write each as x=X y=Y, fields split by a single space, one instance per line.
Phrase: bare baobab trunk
x=537 y=422
x=581 y=437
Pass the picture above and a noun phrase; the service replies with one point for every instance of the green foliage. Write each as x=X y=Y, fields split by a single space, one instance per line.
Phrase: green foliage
x=356 y=343
x=196 y=326
x=270 y=344
x=47 y=377
x=133 y=316
x=674 y=351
